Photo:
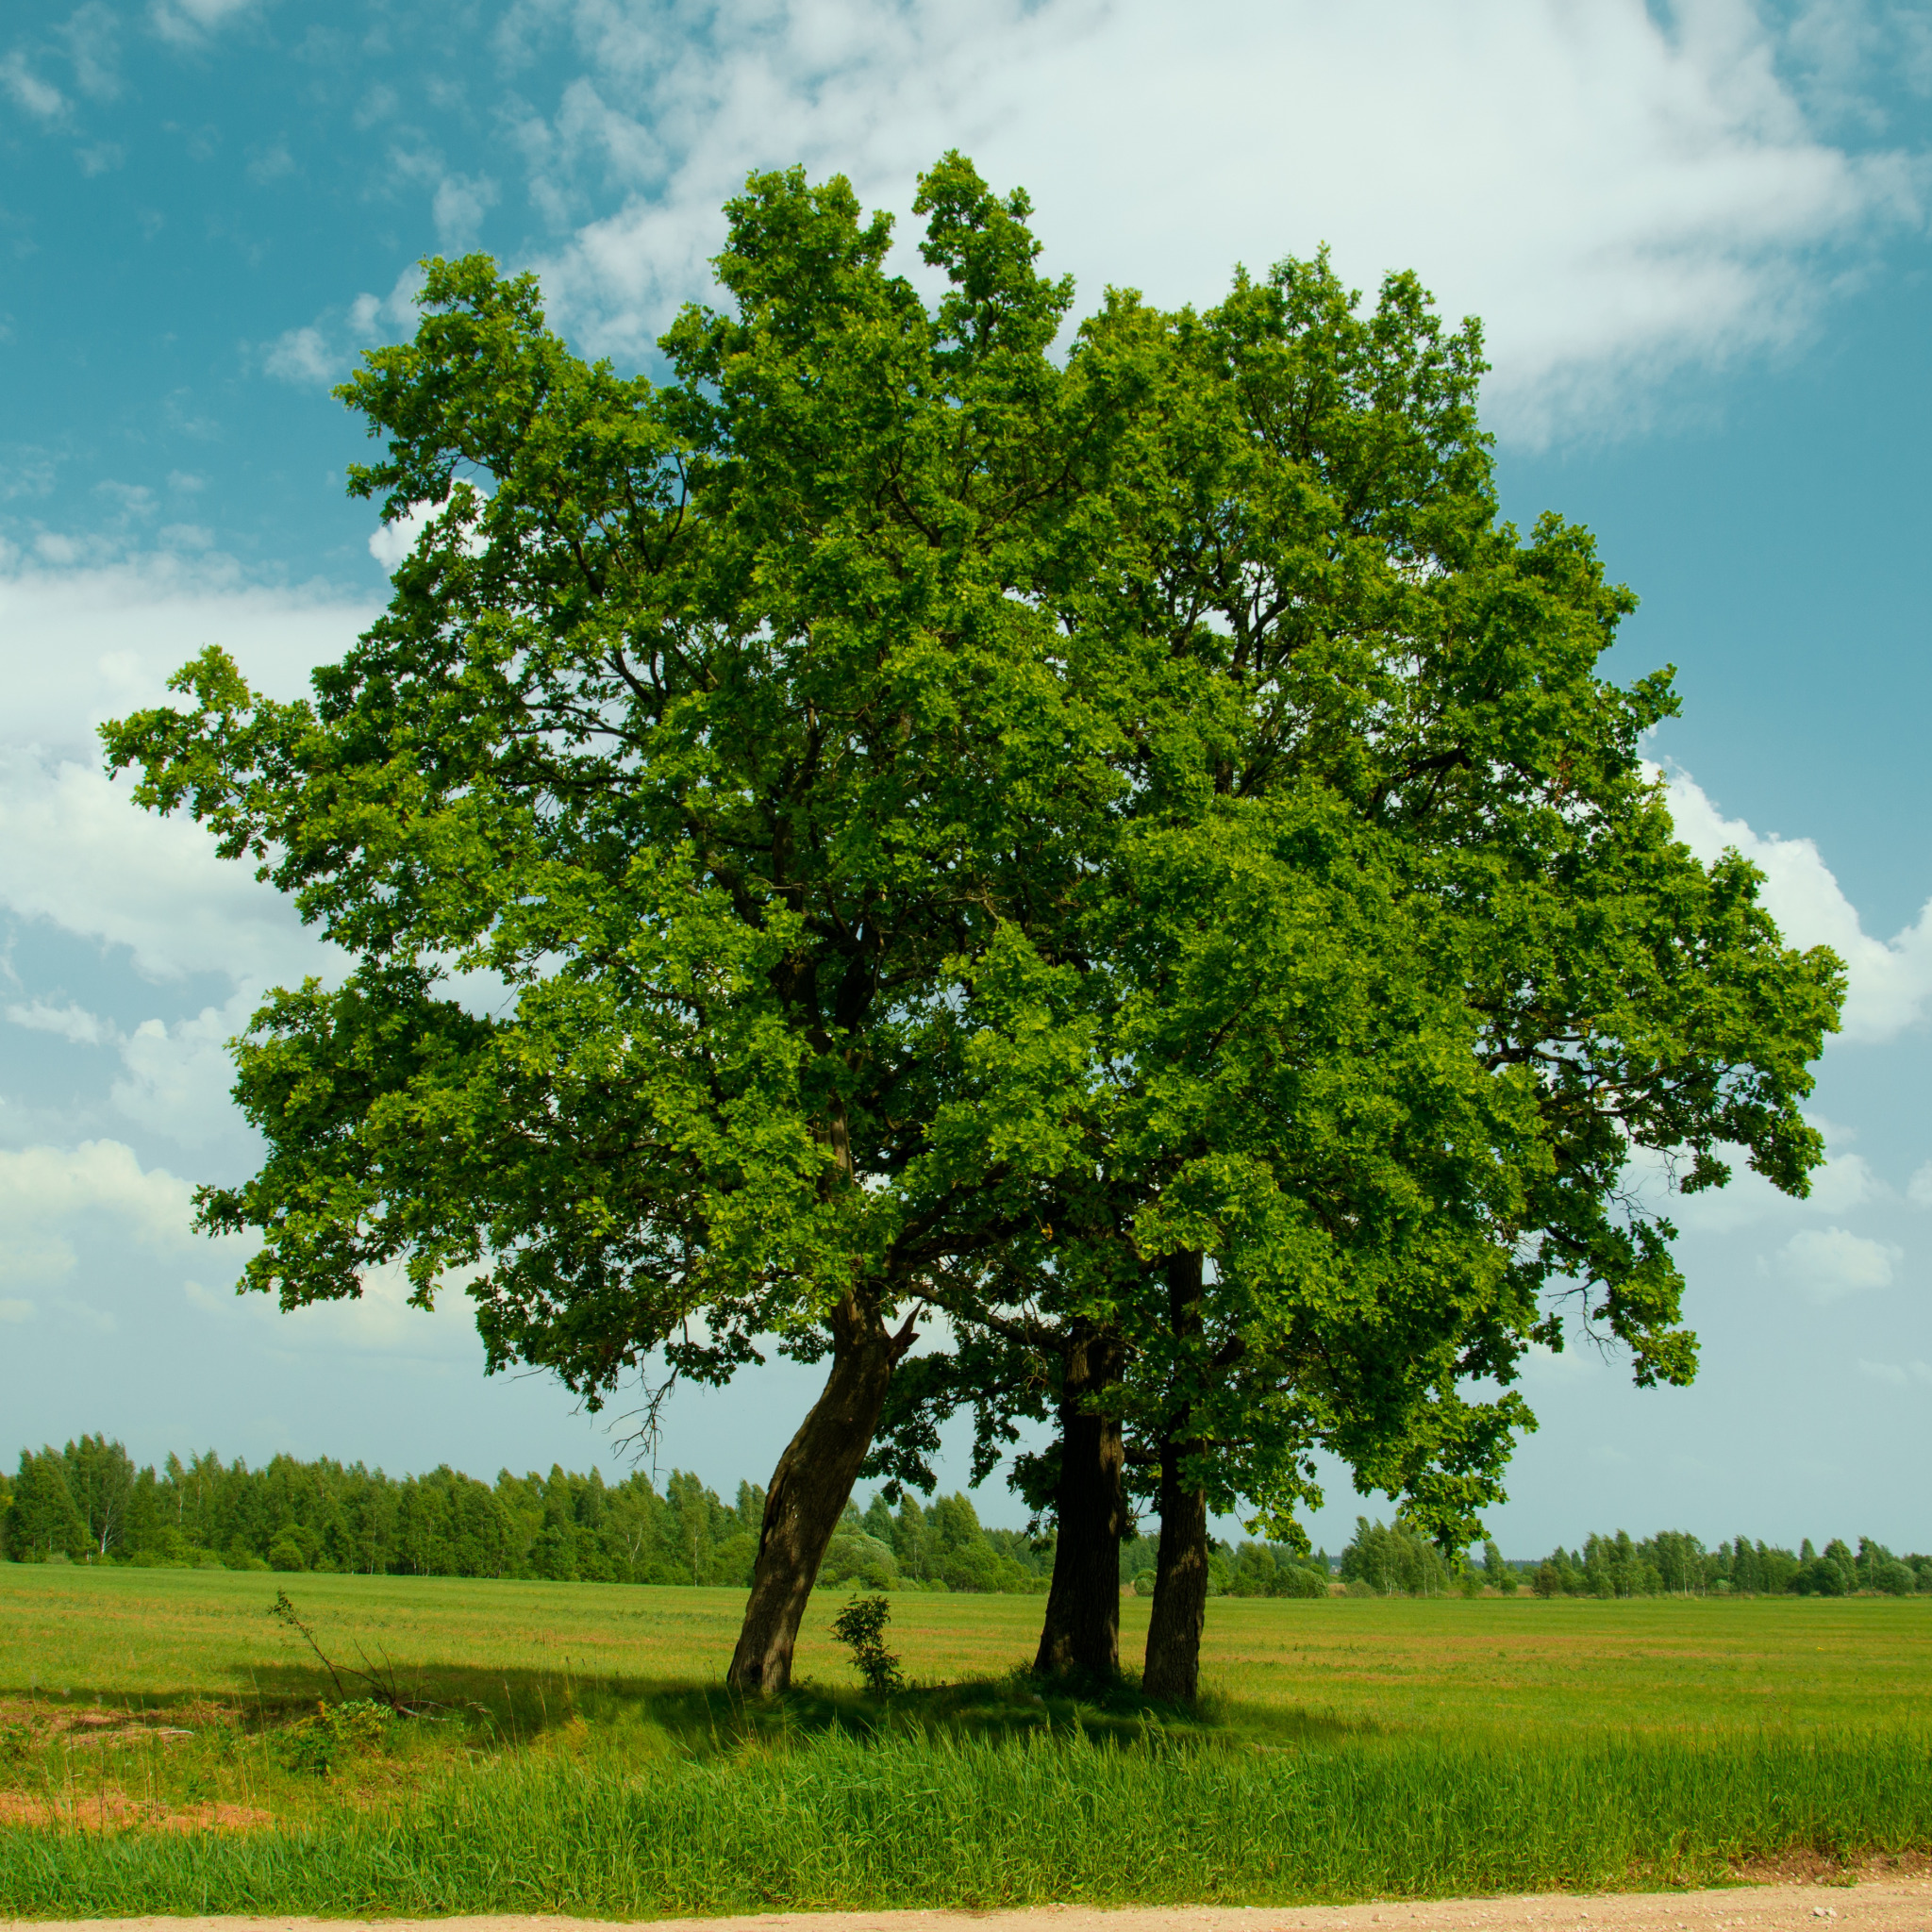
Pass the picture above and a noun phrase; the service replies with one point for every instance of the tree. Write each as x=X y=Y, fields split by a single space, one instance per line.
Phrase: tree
x=1139 y=856
x=43 y=1522
x=1500 y=1576
x=705 y=721
x=100 y=1478
x=1321 y=1191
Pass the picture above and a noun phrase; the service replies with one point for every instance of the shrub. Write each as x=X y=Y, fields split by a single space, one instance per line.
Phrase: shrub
x=860 y=1626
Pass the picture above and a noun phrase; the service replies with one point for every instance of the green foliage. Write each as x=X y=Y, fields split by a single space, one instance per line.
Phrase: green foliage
x=42 y=1520
x=955 y=824
x=714 y=720
x=1392 y=1560
x=1500 y=1576
x=860 y=1626
x=1388 y=963
x=318 y=1745
x=293 y=1516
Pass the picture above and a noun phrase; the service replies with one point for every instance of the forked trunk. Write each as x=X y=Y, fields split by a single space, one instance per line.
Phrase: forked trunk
x=1173 y=1670
x=1083 y=1607
x=809 y=1492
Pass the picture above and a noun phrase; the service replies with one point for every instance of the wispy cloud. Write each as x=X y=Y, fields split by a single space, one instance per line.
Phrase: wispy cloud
x=190 y=22
x=72 y=1023
x=28 y=92
x=1899 y=1374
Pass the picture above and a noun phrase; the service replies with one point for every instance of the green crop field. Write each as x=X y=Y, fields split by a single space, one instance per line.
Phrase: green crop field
x=166 y=1744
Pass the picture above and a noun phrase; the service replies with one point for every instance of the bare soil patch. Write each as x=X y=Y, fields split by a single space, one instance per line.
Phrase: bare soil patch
x=113 y=1811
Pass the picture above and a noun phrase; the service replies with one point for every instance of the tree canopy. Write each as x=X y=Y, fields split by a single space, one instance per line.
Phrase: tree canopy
x=1128 y=848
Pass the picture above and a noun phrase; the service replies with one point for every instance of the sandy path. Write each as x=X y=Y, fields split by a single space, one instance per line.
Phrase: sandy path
x=1887 y=1904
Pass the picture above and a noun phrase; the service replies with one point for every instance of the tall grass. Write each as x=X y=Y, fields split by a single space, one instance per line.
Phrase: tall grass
x=939 y=1820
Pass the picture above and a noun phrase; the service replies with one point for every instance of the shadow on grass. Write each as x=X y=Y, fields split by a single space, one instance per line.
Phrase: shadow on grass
x=520 y=1708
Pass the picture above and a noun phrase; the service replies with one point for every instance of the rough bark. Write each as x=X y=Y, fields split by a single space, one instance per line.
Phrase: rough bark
x=1173 y=1669
x=809 y=1489
x=1083 y=1606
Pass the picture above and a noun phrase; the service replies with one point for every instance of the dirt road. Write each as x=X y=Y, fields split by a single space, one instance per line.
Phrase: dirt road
x=1890 y=1904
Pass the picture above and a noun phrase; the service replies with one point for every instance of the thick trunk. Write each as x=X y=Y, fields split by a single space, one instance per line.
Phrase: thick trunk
x=1173 y=1670
x=808 y=1491
x=1083 y=1607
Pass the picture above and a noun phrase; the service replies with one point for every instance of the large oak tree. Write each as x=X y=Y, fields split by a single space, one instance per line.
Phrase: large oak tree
x=1392 y=982
x=705 y=719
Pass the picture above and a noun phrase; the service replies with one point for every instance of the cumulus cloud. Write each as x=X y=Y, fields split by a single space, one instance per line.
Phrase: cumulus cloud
x=74 y=851
x=78 y=646
x=1827 y=1264
x=1621 y=192
x=49 y=1195
x=460 y=204
x=93 y=45
x=301 y=354
x=1889 y=980
x=13 y=1310
x=177 y=1077
x=1919 y=1189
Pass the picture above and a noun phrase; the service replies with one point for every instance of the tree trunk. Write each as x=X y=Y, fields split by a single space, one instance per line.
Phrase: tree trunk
x=809 y=1489
x=1083 y=1608
x=1173 y=1670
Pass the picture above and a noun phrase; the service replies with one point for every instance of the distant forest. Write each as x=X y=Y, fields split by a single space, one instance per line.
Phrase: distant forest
x=89 y=1503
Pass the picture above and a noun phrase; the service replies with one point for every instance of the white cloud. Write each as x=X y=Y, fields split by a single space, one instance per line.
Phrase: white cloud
x=14 y=1310
x=70 y=1022
x=94 y=44
x=1888 y=980
x=393 y=541
x=78 y=646
x=460 y=202
x=1898 y=1375
x=1827 y=1264
x=74 y=850
x=1620 y=195
x=301 y=354
x=379 y=1321
x=1843 y=1184
x=50 y=1194
x=1919 y=1189
x=187 y=22
x=178 y=1077
x=38 y=97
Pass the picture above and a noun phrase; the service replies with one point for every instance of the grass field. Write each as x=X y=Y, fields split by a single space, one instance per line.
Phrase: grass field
x=586 y=1755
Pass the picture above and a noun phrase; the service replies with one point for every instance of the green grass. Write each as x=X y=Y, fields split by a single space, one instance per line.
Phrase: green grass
x=589 y=1759
x=172 y=1636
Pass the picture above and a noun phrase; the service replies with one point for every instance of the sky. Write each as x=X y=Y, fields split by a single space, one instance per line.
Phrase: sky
x=1697 y=236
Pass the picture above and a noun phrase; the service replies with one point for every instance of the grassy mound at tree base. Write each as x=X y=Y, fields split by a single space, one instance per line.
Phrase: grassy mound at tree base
x=912 y=1821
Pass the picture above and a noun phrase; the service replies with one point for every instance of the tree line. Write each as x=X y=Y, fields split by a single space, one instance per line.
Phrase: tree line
x=88 y=1502
x=1096 y=889
x=1389 y=1559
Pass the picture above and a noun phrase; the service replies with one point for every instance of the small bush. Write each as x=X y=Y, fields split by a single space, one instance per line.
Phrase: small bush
x=860 y=1626
x=319 y=1743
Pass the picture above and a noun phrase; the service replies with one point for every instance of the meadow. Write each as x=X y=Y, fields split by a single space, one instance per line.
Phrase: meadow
x=168 y=1745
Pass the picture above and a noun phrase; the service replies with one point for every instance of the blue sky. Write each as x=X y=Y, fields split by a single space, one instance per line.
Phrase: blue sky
x=1698 y=236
